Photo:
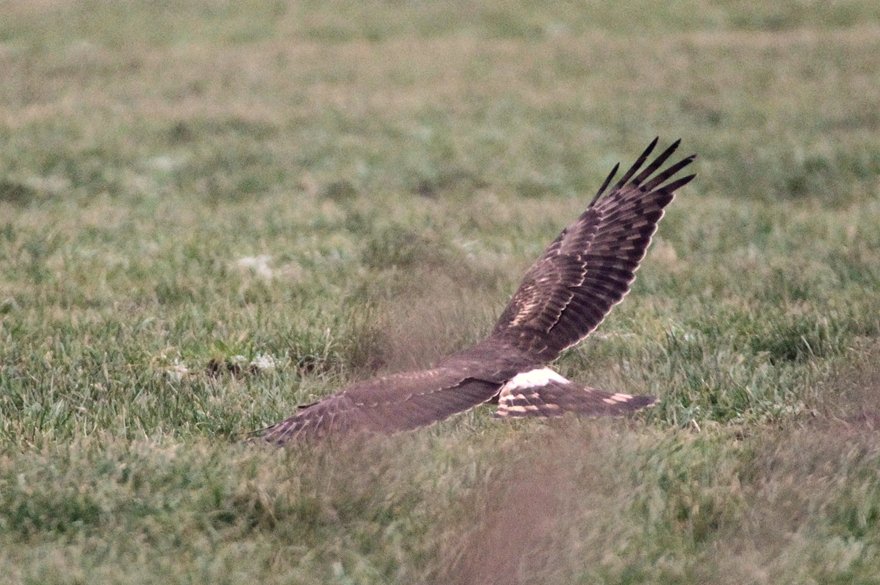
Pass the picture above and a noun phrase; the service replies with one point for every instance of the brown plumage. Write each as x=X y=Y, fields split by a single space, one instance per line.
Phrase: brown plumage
x=566 y=293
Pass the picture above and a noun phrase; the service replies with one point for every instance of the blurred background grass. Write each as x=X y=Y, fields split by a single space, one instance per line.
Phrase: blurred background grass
x=211 y=212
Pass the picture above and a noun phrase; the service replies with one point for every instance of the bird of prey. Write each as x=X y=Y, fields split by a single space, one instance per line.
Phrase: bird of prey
x=565 y=294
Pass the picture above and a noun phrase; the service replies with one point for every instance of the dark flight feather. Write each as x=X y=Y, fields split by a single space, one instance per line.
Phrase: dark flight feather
x=589 y=268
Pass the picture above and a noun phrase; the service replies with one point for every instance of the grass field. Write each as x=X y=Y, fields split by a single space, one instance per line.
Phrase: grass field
x=211 y=212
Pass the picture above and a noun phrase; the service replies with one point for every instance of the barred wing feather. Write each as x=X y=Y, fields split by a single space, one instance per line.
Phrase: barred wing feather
x=589 y=268
x=386 y=405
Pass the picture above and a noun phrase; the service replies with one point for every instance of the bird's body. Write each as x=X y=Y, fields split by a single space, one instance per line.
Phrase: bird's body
x=566 y=293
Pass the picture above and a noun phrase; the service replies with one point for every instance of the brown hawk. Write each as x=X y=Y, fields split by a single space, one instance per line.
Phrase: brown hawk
x=566 y=293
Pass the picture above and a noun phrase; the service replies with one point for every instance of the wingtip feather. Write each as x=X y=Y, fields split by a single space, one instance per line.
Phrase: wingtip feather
x=604 y=186
x=638 y=164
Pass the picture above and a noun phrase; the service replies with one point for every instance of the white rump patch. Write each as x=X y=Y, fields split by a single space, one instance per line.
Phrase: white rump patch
x=533 y=379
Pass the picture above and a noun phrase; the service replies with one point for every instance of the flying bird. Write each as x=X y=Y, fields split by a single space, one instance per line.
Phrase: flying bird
x=565 y=294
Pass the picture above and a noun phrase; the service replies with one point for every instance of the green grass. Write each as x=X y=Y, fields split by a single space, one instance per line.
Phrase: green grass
x=213 y=212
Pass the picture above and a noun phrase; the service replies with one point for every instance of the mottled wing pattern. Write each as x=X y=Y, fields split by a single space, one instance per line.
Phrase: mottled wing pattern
x=544 y=393
x=387 y=405
x=588 y=269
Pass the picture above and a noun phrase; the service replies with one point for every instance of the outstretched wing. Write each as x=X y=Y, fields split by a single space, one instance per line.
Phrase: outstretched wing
x=387 y=405
x=544 y=393
x=588 y=269
x=409 y=400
